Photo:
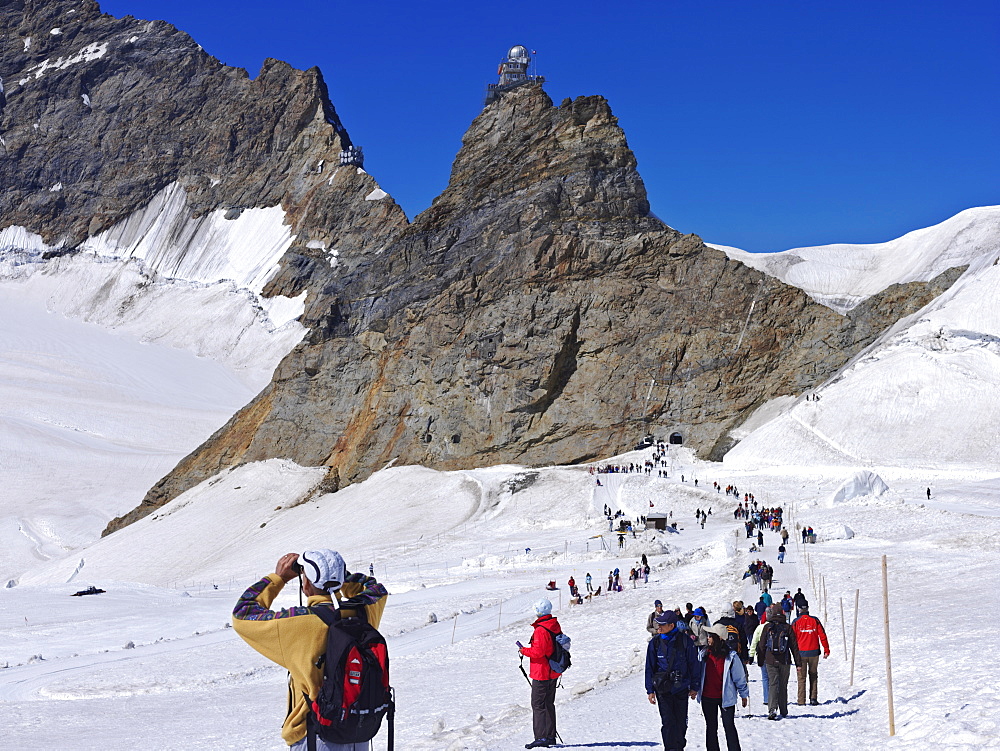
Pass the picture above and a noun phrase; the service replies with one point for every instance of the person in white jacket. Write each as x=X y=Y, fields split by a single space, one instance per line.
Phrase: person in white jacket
x=723 y=678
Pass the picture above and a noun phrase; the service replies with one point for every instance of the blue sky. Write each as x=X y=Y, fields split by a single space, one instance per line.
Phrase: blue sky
x=764 y=125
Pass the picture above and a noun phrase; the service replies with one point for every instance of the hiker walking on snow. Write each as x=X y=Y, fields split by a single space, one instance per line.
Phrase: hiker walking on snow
x=809 y=635
x=758 y=629
x=651 y=626
x=723 y=677
x=698 y=623
x=293 y=637
x=777 y=649
x=801 y=603
x=766 y=576
x=543 y=678
x=787 y=604
x=736 y=637
x=673 y=676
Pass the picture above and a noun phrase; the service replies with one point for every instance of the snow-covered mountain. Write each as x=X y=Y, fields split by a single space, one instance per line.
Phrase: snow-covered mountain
x=841 y=276
x=922 y=395
x=155 y=286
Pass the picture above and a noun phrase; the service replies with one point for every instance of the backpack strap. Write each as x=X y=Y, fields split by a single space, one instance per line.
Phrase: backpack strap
x=310 y=731
x=672 y=654
x=326 y=613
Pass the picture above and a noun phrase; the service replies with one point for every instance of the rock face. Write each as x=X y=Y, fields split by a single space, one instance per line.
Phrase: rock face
x=98 y=114
x=534 y=313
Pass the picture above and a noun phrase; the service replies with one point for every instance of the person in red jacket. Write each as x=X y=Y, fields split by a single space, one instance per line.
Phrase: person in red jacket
x=809 y=635
x=543 y=679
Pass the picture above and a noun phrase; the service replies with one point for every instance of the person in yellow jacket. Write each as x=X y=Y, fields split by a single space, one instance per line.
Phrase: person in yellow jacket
x=295 y=637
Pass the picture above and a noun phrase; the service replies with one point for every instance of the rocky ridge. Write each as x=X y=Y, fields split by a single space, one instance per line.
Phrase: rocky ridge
x=535 y=313
x=99 y=114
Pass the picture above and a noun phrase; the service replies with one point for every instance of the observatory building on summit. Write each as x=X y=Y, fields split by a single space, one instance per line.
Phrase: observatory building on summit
x=513 y=72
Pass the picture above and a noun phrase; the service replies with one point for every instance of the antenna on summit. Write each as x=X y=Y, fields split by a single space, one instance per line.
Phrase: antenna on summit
x=513 y=72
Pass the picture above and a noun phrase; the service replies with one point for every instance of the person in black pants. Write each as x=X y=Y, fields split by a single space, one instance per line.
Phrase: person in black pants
x=673 y=675
x=723 y=678
x=543 y=678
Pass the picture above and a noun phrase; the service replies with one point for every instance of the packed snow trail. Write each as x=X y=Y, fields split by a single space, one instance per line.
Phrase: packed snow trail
x=471 y=694
x=619 y=715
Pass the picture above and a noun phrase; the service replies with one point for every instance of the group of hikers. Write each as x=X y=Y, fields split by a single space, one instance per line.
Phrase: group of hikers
x=687 y=656
x=690 y=658
x=735 y=492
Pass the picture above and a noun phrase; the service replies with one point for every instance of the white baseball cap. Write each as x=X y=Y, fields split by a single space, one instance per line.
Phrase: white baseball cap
x=325 y=569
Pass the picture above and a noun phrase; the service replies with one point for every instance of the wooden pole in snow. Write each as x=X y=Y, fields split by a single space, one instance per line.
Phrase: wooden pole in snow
x=454 y=628
x=843 y=627
x=854 y=635
x=888 y=657
x=826 y=600
x=500 y=615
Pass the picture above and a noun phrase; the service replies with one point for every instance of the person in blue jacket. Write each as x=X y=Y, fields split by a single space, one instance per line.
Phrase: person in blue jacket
x=673 y=675
x=723 y=677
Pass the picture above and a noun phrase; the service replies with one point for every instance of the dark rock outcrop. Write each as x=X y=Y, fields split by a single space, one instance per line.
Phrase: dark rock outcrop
x=99 y=117
x=534 y=313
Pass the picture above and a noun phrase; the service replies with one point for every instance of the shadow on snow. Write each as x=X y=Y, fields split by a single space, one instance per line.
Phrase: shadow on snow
x=610 y=744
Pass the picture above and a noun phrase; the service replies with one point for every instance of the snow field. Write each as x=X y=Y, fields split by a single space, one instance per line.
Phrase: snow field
x=842 y=276
x=96 y=406
x=470 y=694
x=90 y=420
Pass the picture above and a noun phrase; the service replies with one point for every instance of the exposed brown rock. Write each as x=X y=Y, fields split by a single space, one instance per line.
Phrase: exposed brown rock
x=162 y=110
x=537 y=313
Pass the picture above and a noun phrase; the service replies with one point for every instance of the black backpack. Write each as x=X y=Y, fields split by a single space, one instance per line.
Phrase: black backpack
x=777 y=640
x=355 y=694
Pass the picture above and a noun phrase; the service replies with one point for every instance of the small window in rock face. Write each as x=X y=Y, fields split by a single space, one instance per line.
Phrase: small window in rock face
x=456 y=438
x=486 y=345
x=676 y=439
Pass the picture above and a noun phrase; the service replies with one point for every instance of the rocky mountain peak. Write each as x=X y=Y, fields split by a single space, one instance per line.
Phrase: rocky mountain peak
x=99 y=114
x=535 y=313
x=523 y=143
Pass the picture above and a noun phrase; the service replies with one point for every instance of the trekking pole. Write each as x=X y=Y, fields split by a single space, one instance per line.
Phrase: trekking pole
x=392 y=719
x=521 y=665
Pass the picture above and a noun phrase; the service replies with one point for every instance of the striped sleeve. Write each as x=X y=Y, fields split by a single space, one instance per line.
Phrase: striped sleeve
x=254 y=604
